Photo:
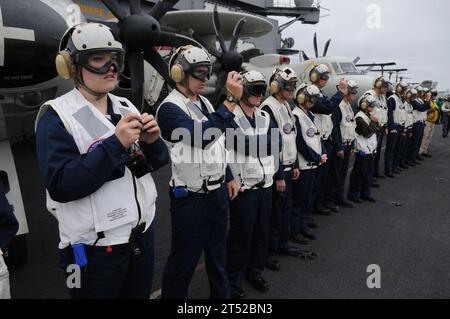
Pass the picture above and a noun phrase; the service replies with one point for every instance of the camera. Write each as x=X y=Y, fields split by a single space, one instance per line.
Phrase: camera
x=137 y=163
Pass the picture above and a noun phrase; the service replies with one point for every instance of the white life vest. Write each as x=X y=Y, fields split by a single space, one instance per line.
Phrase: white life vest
x=425 y=113
x=418 y=116
x=194 y=167
x=324 y=125
x=399 y=111
x=409 y=115
x=286 y=124
x=113 y=208
x=366 y=145
x=348 y=124
x=381 y=111
x=249 y=171
x=311 y=137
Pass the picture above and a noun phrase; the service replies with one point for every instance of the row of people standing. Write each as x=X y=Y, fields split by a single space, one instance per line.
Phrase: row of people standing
x=246 y=176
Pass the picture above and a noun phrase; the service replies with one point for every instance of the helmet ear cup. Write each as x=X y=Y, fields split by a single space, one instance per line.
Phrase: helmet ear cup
x=64 y=65
x=314 y=76
x=364 y=105
x=177 y=73
x=274 y=87
x=301 y=98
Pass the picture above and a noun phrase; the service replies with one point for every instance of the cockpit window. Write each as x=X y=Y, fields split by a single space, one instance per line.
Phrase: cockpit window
x=348 y=67
x=336 y=68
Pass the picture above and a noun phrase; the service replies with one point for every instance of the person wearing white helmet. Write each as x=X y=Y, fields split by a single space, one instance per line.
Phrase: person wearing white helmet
x=421 y=105
x=366 y=147
x=396 y=134
x=379 y=91
x=96 y=153
x=345 y=133
x=322 y=110
x=282 y=85
x=410 y=95
x=432 y=118
x=253 y=169
x=311 y=155
x=195 y=134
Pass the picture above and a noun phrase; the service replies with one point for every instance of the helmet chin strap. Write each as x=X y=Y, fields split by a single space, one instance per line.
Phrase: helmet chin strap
x=80 y=82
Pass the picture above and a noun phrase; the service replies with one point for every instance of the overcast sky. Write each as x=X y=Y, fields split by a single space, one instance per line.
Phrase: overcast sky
x=413 y=33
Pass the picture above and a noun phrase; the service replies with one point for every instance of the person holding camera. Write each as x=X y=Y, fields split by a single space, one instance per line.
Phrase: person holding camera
x=366 y=148
x=96 y=153
x=199 y=189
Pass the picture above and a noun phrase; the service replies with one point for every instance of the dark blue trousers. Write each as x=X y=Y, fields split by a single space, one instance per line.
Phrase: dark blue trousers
x=400 y=148
x=248 y=237
x=114 y=274
x=199 y=223
x=391 y=147
x=380 y=139
x=338 y=173
x=445 y=124
x=302 y=196
x=280 y=216
x=416 y=141
x=361 y=177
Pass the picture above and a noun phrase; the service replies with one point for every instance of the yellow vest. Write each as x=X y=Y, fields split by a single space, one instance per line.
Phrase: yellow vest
x=433 y=116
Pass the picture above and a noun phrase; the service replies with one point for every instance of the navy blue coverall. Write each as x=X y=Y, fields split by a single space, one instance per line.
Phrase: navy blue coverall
x=69 y=176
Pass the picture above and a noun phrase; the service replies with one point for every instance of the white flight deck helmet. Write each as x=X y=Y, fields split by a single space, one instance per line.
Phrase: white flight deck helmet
x=254 y=84
x=307 y=93
x=80 y=42
x=319 y=72
x=352 y=87
x=185 y=59
x=283 y=79
x=367 y=101
x=401 y=87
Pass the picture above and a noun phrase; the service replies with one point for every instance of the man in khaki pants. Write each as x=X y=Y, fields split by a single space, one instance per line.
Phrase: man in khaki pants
x=432 y=118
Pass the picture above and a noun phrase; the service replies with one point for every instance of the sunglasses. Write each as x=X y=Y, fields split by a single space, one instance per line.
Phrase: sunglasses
x=257 y=89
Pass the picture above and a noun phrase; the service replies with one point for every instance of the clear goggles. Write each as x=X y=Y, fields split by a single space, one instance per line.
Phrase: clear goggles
x=101 y=62
x=202 y=75
x=289 y=86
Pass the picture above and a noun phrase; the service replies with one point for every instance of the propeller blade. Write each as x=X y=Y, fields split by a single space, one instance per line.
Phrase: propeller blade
x=176 y=40
x=116 y=9
x=237 y=33
x=136 y=64
x=219 y=95
x=218 y=29
x=154 y=58
x=316 y=49
x=135 y=6
x=305 y=56
x=355 y=61
x=161 y=8
x=194 y=35
x=327 y=46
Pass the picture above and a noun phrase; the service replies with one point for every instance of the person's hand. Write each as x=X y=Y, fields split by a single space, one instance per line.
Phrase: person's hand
x=128 y=129
x=150 y=130
x=343 y=86
x=295 y=174
x=340 y=154
x=233 y=190
x=374 y=118
x=234 y=86
x=353 y=151
x=281 y=186
x=324 y=159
